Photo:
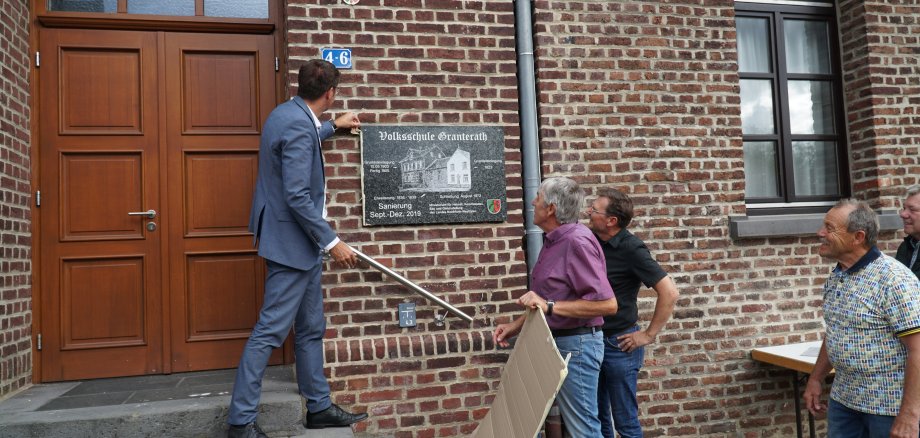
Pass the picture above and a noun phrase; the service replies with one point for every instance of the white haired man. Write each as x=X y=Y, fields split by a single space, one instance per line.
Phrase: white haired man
x=570 y=286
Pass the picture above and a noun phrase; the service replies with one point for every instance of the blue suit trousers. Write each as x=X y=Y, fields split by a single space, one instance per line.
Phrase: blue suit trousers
x=295 y=297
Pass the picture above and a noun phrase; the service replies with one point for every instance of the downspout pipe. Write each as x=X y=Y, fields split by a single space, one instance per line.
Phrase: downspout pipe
x=527 y=112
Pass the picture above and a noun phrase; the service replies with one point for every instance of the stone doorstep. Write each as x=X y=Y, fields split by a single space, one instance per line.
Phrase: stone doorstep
x=192 y=418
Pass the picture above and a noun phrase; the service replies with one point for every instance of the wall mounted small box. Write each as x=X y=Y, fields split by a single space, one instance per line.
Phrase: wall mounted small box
x=407 y=315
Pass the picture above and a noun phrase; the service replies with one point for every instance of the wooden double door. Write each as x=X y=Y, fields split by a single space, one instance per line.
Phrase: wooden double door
x=148 y=150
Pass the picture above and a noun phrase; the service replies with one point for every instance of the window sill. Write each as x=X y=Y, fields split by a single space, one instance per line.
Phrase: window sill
x=785 y=225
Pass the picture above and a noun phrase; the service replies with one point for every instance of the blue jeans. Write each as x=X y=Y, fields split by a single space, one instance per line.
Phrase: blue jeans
x=617 y=389
x=843 y=422
x=576 y=398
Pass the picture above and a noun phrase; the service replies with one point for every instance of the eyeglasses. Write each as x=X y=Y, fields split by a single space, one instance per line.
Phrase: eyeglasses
x=592 y=210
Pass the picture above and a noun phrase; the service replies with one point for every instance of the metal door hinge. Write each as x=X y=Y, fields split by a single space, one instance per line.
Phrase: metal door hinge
x=39 y=342
x=38 y=198
x=38 y=59
x=277 y=66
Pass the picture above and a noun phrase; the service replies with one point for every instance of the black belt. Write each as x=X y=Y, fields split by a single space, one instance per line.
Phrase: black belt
x=609 y=333
x=559 y=333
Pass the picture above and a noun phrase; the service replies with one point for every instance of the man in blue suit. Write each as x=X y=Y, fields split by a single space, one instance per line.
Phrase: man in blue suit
x=288 y=219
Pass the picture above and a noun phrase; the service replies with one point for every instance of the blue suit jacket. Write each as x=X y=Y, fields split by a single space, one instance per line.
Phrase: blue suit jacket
x=287 y=210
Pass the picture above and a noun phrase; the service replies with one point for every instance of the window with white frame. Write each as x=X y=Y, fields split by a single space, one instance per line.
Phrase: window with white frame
x=791 y=105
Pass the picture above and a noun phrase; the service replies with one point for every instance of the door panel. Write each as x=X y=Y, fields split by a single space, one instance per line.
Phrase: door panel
x=219 y=209
x=86 y=175
x=228 y=279
x=220 y=91
x=223 y=86
x=100 y=314
x=101 y=90
x=100 y=267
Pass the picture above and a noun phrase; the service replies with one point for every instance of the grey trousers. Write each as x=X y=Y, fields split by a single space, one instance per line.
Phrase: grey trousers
x=291 y=297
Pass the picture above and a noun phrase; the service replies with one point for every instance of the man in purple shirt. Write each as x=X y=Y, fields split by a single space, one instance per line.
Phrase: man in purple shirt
x=570 y=286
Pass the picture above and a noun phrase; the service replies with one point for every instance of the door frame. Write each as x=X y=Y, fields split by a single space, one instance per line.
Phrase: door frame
x=40 y=18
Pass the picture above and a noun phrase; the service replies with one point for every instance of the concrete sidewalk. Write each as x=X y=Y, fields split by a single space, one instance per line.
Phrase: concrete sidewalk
x=179 y=405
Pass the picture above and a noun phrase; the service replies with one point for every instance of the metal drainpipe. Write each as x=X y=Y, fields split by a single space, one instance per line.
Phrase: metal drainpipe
x=530 y=143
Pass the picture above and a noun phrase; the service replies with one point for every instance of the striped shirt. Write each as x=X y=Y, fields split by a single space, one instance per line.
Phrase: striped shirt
x=867 y=308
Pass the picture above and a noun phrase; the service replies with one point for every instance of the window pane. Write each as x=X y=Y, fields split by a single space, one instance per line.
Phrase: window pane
x=162 y=7
x=83 y=5
x=760 y=174
x=815 y=167
x=236 y=8
x=810 y=107
x=753 y=45
x=757 y=106
x=807 y=46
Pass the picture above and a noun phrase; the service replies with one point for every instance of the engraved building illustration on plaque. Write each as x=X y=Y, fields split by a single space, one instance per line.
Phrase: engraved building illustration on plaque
x=431 y=170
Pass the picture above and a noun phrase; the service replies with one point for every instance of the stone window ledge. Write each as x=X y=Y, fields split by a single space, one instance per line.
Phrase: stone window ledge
x=785 y=225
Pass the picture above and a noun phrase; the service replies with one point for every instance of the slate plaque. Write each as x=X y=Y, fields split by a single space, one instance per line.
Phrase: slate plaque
x=433 y=174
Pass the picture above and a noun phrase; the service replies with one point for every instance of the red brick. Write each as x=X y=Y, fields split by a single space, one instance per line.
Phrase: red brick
x=377 y=396
x=426 y=392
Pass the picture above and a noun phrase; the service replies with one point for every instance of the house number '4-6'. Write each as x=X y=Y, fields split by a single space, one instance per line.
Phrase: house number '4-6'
x=340 y=58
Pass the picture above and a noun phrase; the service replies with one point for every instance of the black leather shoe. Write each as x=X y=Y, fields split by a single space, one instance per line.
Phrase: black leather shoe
x=251 y=430
x=333 y=416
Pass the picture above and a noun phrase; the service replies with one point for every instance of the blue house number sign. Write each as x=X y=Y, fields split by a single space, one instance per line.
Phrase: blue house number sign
x=340 y=58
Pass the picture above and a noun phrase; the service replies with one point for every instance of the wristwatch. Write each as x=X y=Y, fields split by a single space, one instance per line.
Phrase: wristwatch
x=332 y=121
x=549 y=307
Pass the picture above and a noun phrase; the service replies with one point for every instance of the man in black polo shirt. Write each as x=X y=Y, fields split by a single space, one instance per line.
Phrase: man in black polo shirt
x=910 y=247
x=628 y=264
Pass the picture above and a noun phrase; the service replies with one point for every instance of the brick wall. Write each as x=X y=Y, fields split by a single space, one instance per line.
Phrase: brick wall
x=639 y=95
x=881 y=58
x=417 y=62
x=15 y=215
x=644 y=96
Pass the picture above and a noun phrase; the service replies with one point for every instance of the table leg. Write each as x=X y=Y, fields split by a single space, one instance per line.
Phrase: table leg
x=811 y=425
x=798 y=407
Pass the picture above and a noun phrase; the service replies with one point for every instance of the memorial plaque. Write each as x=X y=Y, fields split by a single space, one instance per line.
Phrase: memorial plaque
x=433 y=174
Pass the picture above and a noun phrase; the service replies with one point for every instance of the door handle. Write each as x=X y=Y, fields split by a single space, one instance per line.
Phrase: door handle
x=149 y=213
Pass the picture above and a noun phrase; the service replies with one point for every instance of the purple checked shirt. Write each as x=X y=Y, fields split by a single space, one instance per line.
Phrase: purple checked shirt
x=571 y=267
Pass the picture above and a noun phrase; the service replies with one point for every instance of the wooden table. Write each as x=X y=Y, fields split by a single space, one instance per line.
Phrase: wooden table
x=799 y=358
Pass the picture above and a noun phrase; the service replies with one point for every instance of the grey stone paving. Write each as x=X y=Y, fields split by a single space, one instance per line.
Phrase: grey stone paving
x=177 y=405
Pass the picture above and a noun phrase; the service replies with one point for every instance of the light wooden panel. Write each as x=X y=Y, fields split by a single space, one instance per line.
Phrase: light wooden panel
x=98 y=190
x=102 y=303
x=218 y=192
x=220 y=93
x=222 y=296
x=100 y=91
